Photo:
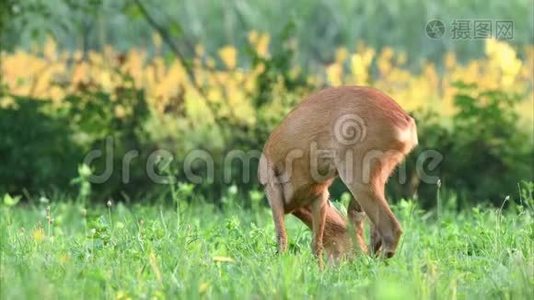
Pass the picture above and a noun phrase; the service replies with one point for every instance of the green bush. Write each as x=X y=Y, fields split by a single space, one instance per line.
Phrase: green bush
x=35 y=148
x=486 y=153
x=113 y=124
x=43 y=145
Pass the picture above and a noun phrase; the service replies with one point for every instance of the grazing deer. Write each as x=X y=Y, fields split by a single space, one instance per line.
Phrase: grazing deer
x=336 y=239
x=357 y=133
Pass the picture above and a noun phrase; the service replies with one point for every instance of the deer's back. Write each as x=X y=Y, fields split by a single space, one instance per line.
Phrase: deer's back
x=321 y=118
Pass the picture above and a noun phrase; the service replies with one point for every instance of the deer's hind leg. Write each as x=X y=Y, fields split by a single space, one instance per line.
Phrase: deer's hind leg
x=318 y=208
x=366 y=181
x=276 y=201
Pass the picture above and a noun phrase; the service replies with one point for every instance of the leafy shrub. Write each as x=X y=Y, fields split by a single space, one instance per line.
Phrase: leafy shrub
x=113 y=124
x=491 y=152
x=486 y=151
x=42 y=145
x=35 y=148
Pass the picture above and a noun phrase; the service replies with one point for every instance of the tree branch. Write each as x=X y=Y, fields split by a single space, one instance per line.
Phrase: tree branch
x=166 y=37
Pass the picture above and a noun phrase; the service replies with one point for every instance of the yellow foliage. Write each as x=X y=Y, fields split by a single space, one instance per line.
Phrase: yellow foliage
x=260 y=42
x=360 y=64
x=228 y=55
x=334 y=73
x=37 y=73
x=341 y=54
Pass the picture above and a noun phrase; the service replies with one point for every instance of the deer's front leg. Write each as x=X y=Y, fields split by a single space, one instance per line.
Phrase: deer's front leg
x=376 y=240
x=319 y=219
x=357 y=217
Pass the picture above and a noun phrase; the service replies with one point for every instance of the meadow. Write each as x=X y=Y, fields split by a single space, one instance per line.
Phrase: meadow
x=127 y=80
x=63 y=249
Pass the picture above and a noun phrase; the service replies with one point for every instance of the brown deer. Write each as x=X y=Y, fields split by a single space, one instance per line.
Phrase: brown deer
x=357 y=133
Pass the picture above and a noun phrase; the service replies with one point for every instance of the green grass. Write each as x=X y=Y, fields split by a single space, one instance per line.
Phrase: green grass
x=145 y=251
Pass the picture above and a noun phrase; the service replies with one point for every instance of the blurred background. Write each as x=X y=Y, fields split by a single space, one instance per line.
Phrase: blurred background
x=219 y=75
